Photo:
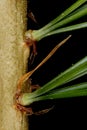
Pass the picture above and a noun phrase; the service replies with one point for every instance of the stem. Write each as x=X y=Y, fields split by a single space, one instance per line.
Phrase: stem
x=13 y=61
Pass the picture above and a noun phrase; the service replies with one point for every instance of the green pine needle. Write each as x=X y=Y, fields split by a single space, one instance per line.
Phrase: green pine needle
x=66 y=92
x=52 y=89
x=77 y=70
x=69 y=28
x=72 y=17
x=64 y=14
x=74 y=12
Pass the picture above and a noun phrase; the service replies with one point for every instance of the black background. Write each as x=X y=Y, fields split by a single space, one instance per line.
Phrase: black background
x=67 y=113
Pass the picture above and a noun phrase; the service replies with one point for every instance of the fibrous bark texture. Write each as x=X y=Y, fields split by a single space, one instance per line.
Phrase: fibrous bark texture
x=13 y=61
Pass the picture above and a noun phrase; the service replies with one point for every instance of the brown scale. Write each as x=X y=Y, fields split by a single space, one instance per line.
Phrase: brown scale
x=25 y=77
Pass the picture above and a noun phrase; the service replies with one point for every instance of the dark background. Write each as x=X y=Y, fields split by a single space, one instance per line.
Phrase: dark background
x=67 y=113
